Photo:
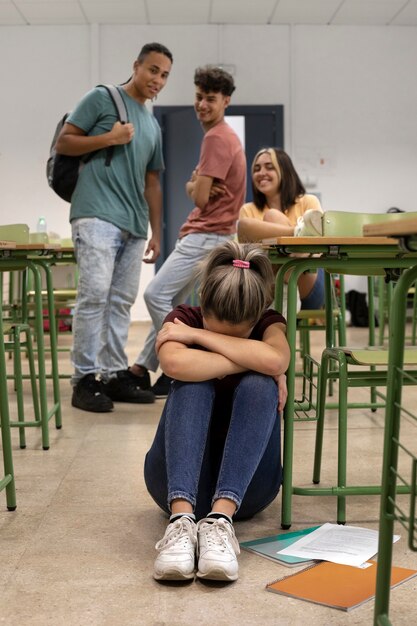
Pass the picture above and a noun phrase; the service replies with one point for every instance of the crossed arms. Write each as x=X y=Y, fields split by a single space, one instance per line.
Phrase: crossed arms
x=222 y=354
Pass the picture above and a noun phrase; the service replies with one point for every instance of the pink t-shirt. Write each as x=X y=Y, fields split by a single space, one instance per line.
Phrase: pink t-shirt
x=223 y=159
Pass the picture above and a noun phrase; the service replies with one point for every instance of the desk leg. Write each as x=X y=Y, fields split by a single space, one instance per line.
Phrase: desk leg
x=7 y=482
x=53 y=343
x=391 y=435
x=41 y=355
x=297 y=266
x=288 y=448
x=330 y=330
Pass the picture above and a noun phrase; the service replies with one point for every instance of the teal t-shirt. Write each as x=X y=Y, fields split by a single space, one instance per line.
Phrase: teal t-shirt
x=115 y=193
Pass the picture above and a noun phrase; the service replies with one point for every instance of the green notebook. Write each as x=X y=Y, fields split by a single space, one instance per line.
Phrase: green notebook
x=269 y=547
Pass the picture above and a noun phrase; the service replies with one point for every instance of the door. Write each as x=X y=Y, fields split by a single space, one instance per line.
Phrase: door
x=182 y=136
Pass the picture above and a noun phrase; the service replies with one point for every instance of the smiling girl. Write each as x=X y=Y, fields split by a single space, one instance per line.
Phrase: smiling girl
x=279 y=200
x=216 y=453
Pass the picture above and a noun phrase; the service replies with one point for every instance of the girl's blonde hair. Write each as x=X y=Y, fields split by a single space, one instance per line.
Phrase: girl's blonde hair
x=232 y=293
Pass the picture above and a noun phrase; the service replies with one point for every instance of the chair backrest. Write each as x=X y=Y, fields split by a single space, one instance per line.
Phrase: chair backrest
x=14 y=232
x=38 y=238
x=347 y=224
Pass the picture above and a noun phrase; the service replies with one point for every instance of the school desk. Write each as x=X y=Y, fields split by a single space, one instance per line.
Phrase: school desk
x=337 y=255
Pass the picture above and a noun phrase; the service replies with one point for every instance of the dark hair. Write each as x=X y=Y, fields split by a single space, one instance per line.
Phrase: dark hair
x=154 y=47
x=395 y=209
x=213 y=78
x=290 y=185
x=232 y=294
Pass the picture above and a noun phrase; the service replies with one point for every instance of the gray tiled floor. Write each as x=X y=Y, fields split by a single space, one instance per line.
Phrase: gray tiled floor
x=79 y=550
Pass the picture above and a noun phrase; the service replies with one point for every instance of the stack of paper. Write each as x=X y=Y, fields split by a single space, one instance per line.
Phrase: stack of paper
x=271 y=547
x=348 y=545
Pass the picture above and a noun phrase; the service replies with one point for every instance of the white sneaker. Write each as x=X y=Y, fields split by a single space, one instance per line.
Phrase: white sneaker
x=309 y=224
x=217 y=549
x=176 y=559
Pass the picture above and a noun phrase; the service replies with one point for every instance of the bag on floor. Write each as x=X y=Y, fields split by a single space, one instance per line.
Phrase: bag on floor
x=62 y=171
x=358 y=307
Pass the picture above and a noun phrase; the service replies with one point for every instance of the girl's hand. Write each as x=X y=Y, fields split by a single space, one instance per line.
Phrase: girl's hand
x=281 y=381
x=175 y=331
x=275 y=216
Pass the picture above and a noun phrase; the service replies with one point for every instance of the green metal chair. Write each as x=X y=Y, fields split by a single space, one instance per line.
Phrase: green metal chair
x=64 y=296
x=385 y=292
x=18 y=326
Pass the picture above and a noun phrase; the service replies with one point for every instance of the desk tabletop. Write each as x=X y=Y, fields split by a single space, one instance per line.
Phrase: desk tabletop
x=7 y=245
x=329 y=241
x=401 y=228
x=38 y=246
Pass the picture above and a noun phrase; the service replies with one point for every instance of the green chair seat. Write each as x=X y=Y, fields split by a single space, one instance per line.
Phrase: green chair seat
x=372 y=355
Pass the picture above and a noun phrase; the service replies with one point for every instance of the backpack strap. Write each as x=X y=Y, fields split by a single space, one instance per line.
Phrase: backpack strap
x=118 y=102
x=120 y=106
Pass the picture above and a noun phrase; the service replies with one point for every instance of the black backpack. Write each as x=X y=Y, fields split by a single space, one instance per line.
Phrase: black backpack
x=61 y=170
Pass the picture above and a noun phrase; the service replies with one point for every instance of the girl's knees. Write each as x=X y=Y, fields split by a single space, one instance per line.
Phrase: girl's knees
x=260 y=382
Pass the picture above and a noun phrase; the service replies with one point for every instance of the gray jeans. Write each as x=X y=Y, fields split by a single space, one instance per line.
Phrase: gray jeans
x=172 y=285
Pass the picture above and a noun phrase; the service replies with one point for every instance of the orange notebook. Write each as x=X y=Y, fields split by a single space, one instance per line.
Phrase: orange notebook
x=339 y=586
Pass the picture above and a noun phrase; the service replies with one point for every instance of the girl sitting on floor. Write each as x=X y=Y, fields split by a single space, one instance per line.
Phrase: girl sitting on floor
x=216 y=453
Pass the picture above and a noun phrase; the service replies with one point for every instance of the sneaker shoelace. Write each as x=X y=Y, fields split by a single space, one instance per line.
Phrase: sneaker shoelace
x=178 y=534
x=130 y=380
x=95 y=385
x=219 y=534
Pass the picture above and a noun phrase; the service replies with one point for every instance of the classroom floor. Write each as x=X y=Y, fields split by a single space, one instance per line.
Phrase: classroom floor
x=79 y=549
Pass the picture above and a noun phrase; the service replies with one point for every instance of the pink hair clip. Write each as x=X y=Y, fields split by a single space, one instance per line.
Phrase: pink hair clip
x=244 y=265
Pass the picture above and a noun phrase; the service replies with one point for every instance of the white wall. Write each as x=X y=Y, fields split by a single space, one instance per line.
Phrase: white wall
x=350 y=98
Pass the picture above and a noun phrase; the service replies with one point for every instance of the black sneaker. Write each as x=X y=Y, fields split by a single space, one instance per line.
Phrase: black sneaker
x=162 y=386
x=126 y=387
x=144 y=381
x=88 y=395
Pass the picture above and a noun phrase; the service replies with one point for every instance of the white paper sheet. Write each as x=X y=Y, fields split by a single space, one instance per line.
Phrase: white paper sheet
x=348 y=545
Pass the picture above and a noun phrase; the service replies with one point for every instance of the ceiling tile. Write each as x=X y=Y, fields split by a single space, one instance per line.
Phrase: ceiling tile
x=9 y=15
x=349 y=12
x=407 y=16
x=51 y=12
x=367 y=12
x=238 y=12
x=304 y=11
x=178 y=11
x=115 y=12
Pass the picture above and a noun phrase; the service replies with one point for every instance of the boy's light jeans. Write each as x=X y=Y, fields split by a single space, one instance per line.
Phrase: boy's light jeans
x=109 y=264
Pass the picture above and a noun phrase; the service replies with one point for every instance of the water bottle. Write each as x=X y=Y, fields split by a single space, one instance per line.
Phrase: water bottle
x=41 y=226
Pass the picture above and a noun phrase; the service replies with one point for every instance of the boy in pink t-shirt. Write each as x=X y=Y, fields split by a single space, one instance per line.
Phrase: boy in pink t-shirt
x=217 y=187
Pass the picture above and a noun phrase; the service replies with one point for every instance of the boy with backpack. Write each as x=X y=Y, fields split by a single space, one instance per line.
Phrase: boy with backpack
x=110 y=210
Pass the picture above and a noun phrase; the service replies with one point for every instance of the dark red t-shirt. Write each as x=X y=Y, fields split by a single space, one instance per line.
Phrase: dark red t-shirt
x=225 y=387
x=192 y=316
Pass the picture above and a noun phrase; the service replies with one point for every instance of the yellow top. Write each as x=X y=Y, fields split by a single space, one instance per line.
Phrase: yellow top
x=308 y=201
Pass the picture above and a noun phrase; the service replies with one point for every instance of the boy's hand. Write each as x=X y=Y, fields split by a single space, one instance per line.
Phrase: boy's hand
x=121 y=134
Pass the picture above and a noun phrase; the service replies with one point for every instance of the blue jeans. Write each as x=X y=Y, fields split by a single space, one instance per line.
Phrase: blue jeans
x=109 y=264
x=202 y=453
x=315 y=299
x=172 y=285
